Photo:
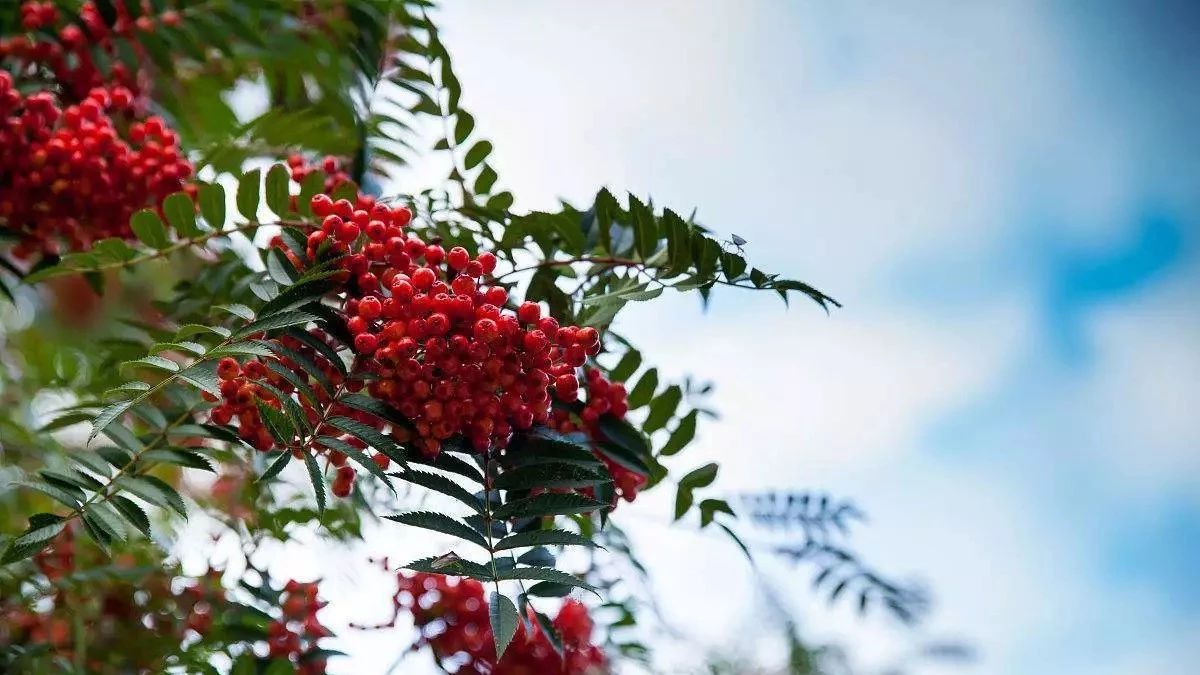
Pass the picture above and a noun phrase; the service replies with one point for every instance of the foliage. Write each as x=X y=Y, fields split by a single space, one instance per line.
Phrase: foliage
x=269 y=286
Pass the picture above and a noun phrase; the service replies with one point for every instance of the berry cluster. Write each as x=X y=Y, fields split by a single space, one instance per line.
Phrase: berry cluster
x=68 y=175
x=437 y=340
x=295 y=634
x=245 y=386
x=67 y=50
x=117 y=613
x=452 y=616
x=335 y=175
x=80 y=154
x=602 y=397
x=430 y=337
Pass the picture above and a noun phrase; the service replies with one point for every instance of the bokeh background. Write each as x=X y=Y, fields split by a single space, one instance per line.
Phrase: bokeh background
x=1005 y=197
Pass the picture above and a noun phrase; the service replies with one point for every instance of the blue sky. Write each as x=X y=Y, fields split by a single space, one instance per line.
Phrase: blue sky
x=1005 y=197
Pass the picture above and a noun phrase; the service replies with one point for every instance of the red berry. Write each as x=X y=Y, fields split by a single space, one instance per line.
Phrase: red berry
x=365 y=343
x=529 y=312
x=423 y=278
x=458 y=258
x=228 y=368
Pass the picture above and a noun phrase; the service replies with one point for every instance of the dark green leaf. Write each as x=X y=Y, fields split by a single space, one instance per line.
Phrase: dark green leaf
x=477 y=154
x=149 y=229
x=277 y=193
x=249 y=186
x=315 y=477
x=543 y=538
x=181 y=214
x=683 y=434
x=643 y=391
x=212 y=206
x=504 y=619
x=438 y=522
x=443 y=485
x=547 y=504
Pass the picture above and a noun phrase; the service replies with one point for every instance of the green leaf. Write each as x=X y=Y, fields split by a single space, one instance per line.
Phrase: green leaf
x=438 y=522
x=549 y=476
x=701 y=477
x=733 y=265
x=486 y=179
x=212 y=206
x=547 y=504
x=543 y=538
x=155 y=363
x=202 y=375
x=180 y=457
x=544 y=574
x=277 y=192
x=662 y=408
x=104 y=517
x=371 y=436
x=642 y=296
x=276 y=466
x=358 y=456
x=377 y=408
x=710 y=507
x=448 y=462
x=64 y=497
x=645 y=230
x=314 y=476
x=280 y=268
x=181 y=214
x=549 y=631
x=149 y=229
x=463 y=126
x=442 y=485
x=450 y=564
x=683 y=434
x=42 y=529
x=132 y=513
x=477 y=154
x=549 y=589
x=643 y=391
x=275 y=322
x=627 y=366
x=153 y=490
x=277 y=423
x=504 y=619
x=683 y=501
x=248 y=189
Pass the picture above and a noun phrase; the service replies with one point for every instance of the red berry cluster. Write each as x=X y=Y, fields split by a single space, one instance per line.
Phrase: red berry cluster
x=452 y=617
x=602 y=397
x=68 y=175
x=79 y=154
x=437 y=339
x=116 y=613
x=295 y=634
x=430 y=336
x=66 y=50
x=244 y=386
x=335 y=175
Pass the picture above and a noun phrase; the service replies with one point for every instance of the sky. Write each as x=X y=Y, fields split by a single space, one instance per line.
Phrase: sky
x=1004 y=197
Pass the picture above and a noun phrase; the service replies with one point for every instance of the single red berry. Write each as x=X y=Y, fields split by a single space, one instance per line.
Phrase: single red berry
x=423 y=278
x=228 y=368
x=370 y=308
x=365 y=343
x=529 y=312
x=458 y=258
x=322 y=205
x=488 y=260
x=346 y=232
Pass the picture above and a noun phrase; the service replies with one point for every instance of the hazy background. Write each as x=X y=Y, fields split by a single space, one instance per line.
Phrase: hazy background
x=1004 y=195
